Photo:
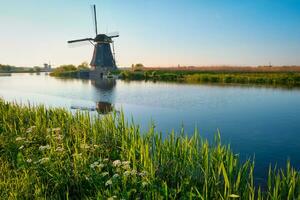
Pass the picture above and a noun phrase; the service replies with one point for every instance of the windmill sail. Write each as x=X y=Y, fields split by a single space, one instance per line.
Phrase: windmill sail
x=113 y=34
x=81 y=40
x=95 y=18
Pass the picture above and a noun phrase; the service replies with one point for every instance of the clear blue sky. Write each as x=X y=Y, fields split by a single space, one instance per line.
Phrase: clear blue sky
x=156 y=32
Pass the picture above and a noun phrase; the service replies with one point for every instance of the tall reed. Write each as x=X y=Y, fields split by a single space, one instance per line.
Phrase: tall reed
x=51 y=153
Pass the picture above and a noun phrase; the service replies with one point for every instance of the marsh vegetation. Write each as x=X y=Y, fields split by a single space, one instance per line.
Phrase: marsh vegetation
x=51 y=153
x=260 y=78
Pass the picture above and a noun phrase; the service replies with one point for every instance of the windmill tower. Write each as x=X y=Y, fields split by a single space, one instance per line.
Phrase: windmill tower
x=103 y=59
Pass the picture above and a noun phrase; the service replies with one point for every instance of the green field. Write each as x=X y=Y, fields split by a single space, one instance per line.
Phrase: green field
x=53 y=154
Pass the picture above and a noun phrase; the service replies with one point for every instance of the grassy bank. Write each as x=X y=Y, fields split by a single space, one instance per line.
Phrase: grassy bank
x=66 y=74
x=71 y=71
x=54 y=154
x=261 y=78
x=277 y=76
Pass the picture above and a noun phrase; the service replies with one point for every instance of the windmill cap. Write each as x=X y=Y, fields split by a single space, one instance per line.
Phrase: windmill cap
x=102 y=38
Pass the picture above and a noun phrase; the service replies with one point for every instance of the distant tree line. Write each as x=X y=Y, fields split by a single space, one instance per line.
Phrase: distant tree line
x=14 y=69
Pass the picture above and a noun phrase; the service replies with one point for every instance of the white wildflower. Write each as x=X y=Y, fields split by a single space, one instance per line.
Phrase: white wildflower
x=21 y=147
x=125 y=162
x=104 y=174
x=143 y=173
x=42 y=148
x=116 y=163
x=59 y=149
x=133 y=172
x=93 y=165
x=29 y=130
x=109 y=182
x=29 y=160
x=116 y=176
x=101 y=165
x=59 y=137
x=126 y=167
x=127 y=173
x=43 y=160
x=20 y=138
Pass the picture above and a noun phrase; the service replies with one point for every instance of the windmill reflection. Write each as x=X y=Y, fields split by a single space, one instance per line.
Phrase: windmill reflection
x=105 y=88
x=105 y=84
x=104 y=107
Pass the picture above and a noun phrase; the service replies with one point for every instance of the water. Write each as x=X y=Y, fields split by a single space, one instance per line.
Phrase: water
x=259 y=121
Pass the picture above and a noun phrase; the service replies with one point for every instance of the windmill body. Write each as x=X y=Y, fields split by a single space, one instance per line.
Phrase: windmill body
x=103 y=56
x=103 y=59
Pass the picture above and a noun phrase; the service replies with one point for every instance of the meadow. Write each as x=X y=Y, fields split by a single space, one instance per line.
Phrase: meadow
x=50 y=153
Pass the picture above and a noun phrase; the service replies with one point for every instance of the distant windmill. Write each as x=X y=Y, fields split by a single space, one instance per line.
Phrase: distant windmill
x=103 y=59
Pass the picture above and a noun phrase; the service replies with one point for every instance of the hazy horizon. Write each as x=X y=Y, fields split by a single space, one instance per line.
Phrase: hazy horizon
x=155 y=33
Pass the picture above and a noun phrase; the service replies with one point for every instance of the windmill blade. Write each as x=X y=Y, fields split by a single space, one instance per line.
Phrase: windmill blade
x=113 y=34
x=81 y=40
x=80 y=44
x=95 y=18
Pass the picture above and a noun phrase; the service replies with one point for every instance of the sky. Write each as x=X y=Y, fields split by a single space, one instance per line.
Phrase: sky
x=154 y=32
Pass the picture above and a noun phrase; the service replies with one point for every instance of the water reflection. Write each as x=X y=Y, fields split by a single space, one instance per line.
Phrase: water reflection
x=104 y=107
x=72 y=80
x=104 y=84
x=104 y=90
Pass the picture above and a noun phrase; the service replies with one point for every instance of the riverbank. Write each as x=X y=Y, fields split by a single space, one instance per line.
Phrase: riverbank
x=260 y=76
x=71 y=71
x=54 y=154
x=276 y=76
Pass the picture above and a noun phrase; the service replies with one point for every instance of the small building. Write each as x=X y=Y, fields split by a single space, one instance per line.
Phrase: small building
x=47 y=67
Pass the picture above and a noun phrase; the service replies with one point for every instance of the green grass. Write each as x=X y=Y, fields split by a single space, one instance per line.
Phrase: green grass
x=260 y=78
x=53 y=154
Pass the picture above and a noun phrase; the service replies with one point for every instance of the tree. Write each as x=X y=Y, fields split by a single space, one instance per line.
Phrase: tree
x=36 y=69
x=83 y=66
x=5 y=68
x=137 y=67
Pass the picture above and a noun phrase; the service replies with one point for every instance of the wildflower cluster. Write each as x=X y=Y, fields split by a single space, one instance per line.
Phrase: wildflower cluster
x=118 y=174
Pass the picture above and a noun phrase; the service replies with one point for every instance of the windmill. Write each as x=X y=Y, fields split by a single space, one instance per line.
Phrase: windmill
x=103 y=59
